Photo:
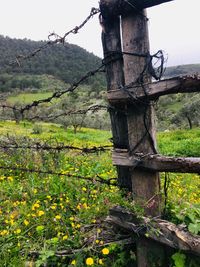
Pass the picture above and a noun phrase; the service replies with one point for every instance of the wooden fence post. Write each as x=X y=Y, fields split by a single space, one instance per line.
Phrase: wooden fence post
x=111 y=42
x=141 y=129
x=132 y=114
x=132 y=124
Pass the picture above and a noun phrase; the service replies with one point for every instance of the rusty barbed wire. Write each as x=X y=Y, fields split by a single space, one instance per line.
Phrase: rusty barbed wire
x=58 y=147
x=99 y=179
x=58 y=94
x=55 y=95
x=92 y=109
x=112 y=56
x=57 y=39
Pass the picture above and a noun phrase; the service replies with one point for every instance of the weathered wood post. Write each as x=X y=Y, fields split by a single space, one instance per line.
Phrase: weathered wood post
x=145 y=184
x=132 y=123
x=113 y=59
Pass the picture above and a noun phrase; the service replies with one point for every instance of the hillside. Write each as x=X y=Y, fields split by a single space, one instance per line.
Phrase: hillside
x=58 y=65
x=182 y=70
x=67 y=63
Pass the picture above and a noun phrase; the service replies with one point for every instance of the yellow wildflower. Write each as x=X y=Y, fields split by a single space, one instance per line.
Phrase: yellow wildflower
x=105 y=251
x=12 y=222
x=78 y=206
x=53 y=207
x=10 y=178
x=4 y=232
x=26 y=222
x=16 y=203
x=89 y=261
x=17 y=231
x=73 y=262
x=35 y=206
x=78 y=226
x=85 y=206
x=100 y=261
x=57 y=217
x=62 y=206
x=65 y=237
x=40 y=213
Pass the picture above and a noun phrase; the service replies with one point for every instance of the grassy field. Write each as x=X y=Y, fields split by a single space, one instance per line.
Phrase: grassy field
x=26 y=98
x=43 y=213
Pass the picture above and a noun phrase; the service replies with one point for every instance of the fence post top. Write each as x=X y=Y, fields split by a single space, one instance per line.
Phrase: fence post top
x=113 y=8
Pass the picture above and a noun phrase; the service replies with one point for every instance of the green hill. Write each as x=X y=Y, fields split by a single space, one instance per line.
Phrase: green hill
x=68 y=62
x=182 y=70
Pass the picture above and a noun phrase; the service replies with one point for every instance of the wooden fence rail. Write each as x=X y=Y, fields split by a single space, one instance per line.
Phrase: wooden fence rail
x=184 y=84
x=156 y=162
x=162 y=231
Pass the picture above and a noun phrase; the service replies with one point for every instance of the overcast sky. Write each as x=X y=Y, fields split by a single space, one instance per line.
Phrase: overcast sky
x=173 y=26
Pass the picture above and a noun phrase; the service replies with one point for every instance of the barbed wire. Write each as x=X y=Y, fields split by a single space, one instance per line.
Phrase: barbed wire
x=57 y=39
x=92 y=109
x=111 y=57
x=97 y=178
x=55 y=95
x=59 y=147
x=155 y=72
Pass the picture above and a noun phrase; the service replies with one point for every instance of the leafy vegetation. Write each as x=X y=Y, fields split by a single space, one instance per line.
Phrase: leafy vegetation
x=42 y=214
x=67 y=63
x=18 y=83
x=178 y=111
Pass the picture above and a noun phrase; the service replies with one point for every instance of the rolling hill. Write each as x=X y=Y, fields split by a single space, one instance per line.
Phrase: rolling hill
x=68 y=62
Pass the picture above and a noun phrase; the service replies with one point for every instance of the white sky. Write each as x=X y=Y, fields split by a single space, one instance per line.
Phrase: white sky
x=174 y=26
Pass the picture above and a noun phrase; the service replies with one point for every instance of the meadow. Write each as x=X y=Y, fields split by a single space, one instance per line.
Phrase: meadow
x=27 y=98
x=52 y=216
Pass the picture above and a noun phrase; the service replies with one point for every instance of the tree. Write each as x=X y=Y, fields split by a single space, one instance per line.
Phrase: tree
x=190 y=112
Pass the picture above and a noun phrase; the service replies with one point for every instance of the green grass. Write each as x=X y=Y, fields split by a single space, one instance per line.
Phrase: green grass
x=180 y=143
x=84 y=137
x=45 y=213
x=26 y=98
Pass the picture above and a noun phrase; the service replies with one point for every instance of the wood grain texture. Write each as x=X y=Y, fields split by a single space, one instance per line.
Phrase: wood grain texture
x=140 y=120
x=185 y=84
x=161 y=231
x=111 y=41
x=157 y=162
x=140 y=117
